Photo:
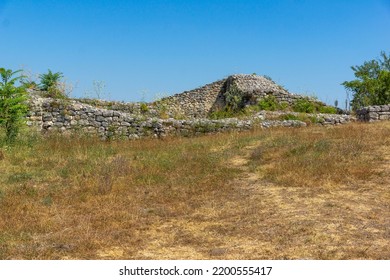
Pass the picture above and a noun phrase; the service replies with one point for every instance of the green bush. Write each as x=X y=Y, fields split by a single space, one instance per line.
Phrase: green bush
x=144 y=108
x=222 y=114
x=327 y=110
x=234 y=99
x=289 y=117
x=50 y=84
x=12 y=104
x=268 y=103
x=304 y=106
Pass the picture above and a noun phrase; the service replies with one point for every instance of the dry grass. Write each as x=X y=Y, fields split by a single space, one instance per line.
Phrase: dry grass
x=312 y=193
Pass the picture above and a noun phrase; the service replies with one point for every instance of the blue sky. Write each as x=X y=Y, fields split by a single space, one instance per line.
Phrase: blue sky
x=145 y=49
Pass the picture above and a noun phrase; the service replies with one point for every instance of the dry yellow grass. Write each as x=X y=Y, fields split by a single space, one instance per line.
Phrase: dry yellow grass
x=312 y=193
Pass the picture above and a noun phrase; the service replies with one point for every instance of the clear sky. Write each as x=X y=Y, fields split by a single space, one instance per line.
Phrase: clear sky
x=145 y=49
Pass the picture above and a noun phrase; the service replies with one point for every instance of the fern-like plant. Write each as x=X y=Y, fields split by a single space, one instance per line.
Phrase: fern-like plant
x=50 y=83
x=12 y=104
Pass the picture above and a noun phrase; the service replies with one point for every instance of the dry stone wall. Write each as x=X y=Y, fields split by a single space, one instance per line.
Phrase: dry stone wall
x=195 y=103
x=48 y=114
x=182 y=114
x=256 y=88
x=200 y=102
x=374 y=113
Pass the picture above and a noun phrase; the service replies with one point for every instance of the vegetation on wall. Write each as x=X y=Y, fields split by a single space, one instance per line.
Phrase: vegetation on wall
x=236 y=107
x=52 y=85
x=372 y=83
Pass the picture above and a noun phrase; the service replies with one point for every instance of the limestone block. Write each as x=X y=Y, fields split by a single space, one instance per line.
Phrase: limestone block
x=373 y=115
x=108 y=113
x=384 y=117
x=125 y=124
x=100 y=118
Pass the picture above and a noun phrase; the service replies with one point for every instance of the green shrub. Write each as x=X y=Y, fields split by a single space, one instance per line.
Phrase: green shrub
x=234 y=99
x=304 y=106
x=268 y=103
x=12 y=104
x=50 y=84
x=289 y=117
x=283 y=106
x=144 y=108
x=327 y=110
x=222 y=114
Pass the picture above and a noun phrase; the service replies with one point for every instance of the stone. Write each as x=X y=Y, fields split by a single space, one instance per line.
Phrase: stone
x=108 y=113
x=100 y=118
x=373 y=115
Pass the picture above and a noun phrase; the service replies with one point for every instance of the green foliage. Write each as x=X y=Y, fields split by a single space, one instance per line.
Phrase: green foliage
x=144 y=108
x=269 y=103
x=327 y=110
x=372 y=83
x=289 y=117
x=162 y=106
x=234 y=105
x=234 y=99
x=12 y=104
x=50 y=83
x=304 y=106
x=222 y=114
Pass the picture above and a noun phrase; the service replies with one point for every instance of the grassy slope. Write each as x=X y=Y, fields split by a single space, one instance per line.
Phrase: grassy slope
x=309 y=193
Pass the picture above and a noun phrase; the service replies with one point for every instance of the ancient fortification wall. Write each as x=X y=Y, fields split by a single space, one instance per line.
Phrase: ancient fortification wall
x=200 y=102
x=72 y=116
x=182 y=114
x=374 y=113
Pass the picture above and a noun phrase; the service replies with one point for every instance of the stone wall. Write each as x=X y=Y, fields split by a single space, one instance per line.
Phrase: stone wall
x=195 y=103
x=202 y=101
x=182 y=114
x=71 y=116
x=256 y=88
x=374 y=113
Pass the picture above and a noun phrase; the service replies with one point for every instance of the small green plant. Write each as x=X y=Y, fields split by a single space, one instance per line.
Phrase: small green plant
x=12 y=104
x=268 y=103
x=222 y=114
x=234 y=99
x=50 y=80
x=51 y=84
x=144 y=108
x=327 y=110
x=161 y=106
x=289 y=117
x=304 y=106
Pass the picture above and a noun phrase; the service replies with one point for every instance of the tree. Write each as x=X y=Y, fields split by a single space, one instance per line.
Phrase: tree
x=372 y=86
x=50 y=83
x=12 y=104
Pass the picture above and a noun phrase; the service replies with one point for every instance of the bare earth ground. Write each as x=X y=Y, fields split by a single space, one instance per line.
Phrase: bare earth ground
x=222 y=200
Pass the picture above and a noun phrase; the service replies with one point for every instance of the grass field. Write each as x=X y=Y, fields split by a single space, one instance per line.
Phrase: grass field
x=283 y=193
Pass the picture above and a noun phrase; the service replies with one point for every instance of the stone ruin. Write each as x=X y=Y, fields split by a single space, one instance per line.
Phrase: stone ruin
x=185 y=114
